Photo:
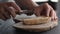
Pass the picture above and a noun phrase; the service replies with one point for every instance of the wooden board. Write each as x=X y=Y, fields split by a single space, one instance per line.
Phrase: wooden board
x=36 y=28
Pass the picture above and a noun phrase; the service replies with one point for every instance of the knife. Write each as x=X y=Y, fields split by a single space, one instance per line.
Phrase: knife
x=27 y=12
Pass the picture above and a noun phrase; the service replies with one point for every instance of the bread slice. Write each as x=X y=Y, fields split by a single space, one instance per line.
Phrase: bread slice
x=36 y=20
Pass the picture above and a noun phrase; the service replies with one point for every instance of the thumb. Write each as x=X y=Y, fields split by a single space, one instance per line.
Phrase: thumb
x=17 y=8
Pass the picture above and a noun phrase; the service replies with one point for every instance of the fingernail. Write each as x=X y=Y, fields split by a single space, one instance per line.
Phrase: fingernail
x=52 y=19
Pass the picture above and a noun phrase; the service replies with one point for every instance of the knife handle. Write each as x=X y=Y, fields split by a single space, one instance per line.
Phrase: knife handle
x=16 y=20
x=27 y=12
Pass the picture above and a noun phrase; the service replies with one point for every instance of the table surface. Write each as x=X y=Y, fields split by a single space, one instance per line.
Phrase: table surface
x=12 y=30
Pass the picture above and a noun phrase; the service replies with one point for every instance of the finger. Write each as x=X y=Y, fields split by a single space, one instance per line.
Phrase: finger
x=37 y=10
x=17 y=8
x=6 y=15
x=46 y=9
x=2 y=17
x=52 y=14
x=55 y=16
x=12 y=11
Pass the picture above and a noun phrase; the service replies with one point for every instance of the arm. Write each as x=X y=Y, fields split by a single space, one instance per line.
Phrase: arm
x=39 y=10
x=29 y=4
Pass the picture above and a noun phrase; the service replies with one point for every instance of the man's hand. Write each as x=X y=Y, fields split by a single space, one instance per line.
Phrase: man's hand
x=8 y=9
x=45 y=10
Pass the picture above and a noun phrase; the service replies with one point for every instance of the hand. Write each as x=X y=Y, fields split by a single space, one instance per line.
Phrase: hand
x=45 y=10
x=8 y=9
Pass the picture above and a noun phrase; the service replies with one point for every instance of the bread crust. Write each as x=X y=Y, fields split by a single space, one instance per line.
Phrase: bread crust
x=36 y=20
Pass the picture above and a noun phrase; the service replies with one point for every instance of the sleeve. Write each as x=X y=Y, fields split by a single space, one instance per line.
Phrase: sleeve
x=11 y=1
x=7 y=1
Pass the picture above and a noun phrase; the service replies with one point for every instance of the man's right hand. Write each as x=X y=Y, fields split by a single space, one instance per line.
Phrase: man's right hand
x=8 y=9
